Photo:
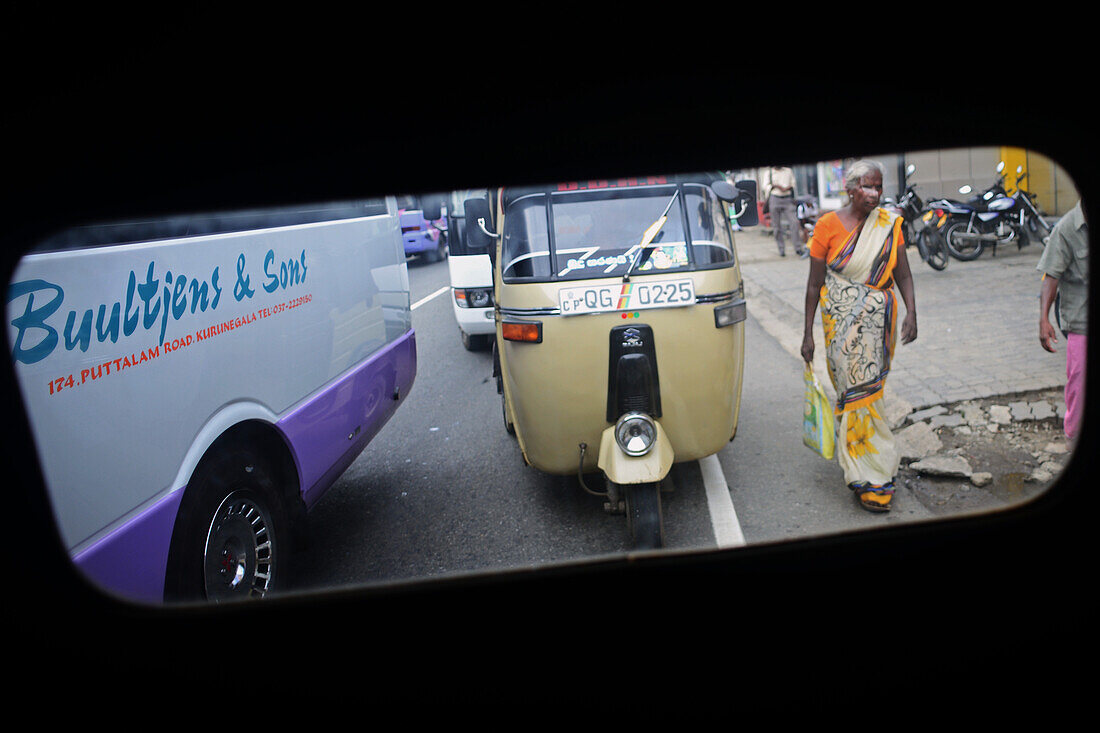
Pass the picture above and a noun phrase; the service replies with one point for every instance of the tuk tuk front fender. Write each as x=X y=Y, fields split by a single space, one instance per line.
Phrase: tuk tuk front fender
x=623 y=469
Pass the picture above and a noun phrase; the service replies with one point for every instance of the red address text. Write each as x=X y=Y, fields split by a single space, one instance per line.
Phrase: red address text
x=114 y=366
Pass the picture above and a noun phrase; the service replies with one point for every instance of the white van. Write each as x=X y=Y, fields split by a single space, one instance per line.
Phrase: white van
x=194 y=385
x=471 y=275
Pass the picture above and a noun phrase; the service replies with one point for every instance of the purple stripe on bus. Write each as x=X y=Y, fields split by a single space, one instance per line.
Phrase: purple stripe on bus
x=130 y=561
x=329 y=431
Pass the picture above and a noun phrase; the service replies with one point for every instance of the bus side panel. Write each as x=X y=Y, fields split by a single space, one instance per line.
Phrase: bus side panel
x=124 y=354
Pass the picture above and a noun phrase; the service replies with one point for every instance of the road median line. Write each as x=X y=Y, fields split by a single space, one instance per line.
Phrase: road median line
x=434 y=295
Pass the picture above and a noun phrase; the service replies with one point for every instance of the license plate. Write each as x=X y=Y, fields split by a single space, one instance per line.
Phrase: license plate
x=626 y=296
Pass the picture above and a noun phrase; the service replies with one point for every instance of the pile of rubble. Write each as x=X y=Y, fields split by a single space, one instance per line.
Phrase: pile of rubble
x=1011 y=448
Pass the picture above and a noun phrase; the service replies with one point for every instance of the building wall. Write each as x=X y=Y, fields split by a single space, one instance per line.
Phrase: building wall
x=1050 y=182
x=940 y=173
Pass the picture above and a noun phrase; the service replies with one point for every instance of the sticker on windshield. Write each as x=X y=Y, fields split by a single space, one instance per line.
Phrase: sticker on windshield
x=626 y=296
x=666 y=257
x=662 y=257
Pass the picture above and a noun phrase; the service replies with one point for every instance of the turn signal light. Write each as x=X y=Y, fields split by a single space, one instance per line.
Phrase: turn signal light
x=530 y=331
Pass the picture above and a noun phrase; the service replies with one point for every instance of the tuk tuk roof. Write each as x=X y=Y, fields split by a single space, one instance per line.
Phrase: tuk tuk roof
x=510 y=194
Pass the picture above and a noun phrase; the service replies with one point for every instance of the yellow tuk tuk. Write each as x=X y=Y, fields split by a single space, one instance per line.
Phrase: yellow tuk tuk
x=619 y=327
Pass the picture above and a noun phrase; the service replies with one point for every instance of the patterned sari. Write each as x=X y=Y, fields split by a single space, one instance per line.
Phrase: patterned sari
x=859 y=316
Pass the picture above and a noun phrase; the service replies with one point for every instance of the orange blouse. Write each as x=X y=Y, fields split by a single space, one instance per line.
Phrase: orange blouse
x=829 y=234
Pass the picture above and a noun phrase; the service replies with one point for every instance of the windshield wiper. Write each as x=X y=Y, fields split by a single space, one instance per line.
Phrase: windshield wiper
x=646 y=245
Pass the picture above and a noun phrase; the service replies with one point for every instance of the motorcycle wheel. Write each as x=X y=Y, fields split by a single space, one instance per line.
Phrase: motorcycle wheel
x=962 y=249
x=1038 y=228
x=932 y=244
x=1023 y=237
x=922 y=245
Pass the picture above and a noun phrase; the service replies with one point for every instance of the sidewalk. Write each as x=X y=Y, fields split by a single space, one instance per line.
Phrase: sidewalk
x=977 y=324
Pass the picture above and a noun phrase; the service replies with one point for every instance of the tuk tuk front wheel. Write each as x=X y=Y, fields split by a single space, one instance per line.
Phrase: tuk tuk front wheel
x=643 y=515
x=508 y=426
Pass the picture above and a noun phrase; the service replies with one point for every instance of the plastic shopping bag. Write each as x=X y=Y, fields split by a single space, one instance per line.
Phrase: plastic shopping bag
x=817 y=417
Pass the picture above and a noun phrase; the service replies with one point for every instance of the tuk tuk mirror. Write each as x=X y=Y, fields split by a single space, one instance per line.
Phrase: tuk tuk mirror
x=910 y=170
x=479 y=240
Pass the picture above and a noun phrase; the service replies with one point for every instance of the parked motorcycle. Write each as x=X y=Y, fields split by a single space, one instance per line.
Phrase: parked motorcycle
x=929 y=240
x=990 y=218
x=1027 y=211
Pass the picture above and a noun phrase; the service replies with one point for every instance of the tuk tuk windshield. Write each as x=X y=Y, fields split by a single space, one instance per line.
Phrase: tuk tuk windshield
x=600 y=233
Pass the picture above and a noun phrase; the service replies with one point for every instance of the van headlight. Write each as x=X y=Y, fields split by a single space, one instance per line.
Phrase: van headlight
x=474 y=297
x=479 y=298
x=635 y=432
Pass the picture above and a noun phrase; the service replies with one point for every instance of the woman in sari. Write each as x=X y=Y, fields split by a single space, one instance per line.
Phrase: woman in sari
x=857 y=254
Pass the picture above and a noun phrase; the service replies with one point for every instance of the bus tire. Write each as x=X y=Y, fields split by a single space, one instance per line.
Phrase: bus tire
x=232 y=536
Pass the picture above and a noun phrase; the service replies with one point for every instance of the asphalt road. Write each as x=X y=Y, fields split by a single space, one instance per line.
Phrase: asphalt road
x=443 y=488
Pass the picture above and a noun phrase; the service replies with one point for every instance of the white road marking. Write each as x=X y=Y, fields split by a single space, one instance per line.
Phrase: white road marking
x=727 y=530
x=436 y=294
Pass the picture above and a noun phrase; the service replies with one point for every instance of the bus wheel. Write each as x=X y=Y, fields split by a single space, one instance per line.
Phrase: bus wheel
x=232 y=537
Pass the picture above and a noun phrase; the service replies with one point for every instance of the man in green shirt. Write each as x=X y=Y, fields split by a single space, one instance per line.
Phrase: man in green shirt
x=1065 y=268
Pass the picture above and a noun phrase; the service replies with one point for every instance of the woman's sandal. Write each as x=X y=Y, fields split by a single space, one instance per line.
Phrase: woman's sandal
x=876 y=500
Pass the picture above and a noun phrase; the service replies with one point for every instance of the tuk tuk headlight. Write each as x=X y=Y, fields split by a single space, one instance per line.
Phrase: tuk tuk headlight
x=635 y=432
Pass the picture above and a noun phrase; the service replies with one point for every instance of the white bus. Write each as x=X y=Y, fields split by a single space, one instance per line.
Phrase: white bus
x=194 y=385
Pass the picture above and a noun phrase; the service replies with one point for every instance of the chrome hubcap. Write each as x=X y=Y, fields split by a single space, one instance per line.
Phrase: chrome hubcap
x=239 y=557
